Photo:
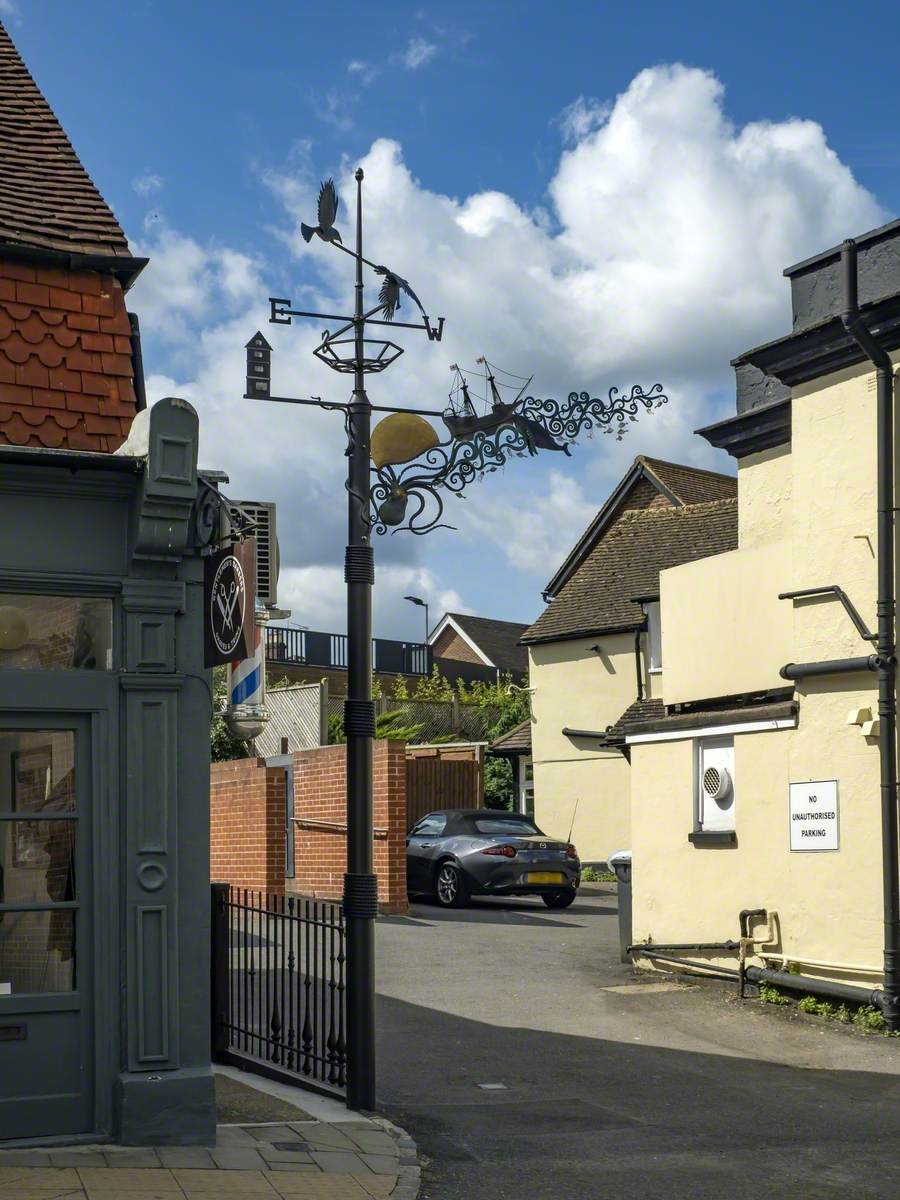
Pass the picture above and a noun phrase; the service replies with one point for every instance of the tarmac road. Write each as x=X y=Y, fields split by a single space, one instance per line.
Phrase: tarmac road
x=672 y=1092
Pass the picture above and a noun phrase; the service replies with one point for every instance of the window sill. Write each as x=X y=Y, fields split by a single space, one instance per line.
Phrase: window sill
x=713 y=837
x=654 y=670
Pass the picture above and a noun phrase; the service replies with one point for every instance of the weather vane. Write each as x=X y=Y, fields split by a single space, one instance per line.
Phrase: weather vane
x=412 y=467
x=398 y=475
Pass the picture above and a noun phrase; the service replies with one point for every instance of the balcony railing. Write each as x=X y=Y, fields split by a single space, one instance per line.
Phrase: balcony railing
x=307 y=648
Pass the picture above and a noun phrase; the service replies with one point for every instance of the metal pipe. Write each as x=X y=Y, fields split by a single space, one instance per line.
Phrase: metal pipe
x=822 y=987
x=818 y=963
x=637 y=664
x=831 y=666
x=834 y=589
x=886 y=645
x=640 y=947
x=137 y=363
x=707 y=968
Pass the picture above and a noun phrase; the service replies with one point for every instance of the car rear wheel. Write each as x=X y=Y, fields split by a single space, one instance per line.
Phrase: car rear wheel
x=561 y=898
x=449 y=886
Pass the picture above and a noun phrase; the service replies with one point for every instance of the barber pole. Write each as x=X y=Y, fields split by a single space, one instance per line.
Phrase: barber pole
x=246 y=714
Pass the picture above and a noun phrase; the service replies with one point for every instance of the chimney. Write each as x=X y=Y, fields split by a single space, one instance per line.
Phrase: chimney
x=67 y=367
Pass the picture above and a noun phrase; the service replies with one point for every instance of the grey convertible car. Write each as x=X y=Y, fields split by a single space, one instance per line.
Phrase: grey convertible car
x=457 y=853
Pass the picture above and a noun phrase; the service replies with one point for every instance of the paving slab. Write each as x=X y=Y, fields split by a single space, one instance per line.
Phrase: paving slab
x=314 y=1160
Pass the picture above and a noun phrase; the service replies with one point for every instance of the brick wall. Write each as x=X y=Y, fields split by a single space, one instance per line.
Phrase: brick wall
x=66 y=371
x=320 y=855
x=247 y=824
x=451 y=645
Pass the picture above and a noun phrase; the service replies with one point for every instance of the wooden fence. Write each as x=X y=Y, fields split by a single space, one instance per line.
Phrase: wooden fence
x=443 y=776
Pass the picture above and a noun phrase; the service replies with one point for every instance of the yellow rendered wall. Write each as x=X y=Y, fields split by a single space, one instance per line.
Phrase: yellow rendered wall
x=765 y=491
x=818 y=504
x=575 y=687
x=829 y=903
x=724 y=630
x=834 y=486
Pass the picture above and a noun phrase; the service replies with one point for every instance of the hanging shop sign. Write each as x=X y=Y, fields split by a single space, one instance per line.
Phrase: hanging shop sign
x=815 y=823
x=229 y=595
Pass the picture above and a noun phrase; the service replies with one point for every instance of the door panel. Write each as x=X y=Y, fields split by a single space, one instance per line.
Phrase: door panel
x=46 y=1051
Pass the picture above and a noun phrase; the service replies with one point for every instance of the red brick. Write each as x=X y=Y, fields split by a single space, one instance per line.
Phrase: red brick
x=78 y=402
x=7 y=289
x=83 y=321
x=16 y=270
x=100 y=306
x=65 y=381
x=118 y=323
x=78 y=439
x=87 y=281
x=33 y=374
x=102 y=343
x=97 y=385
x=61 y=298
x=118 y=364
x=33 y=293
x=104 y=425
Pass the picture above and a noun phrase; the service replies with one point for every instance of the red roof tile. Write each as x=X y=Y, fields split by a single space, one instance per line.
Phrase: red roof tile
x=47 y=198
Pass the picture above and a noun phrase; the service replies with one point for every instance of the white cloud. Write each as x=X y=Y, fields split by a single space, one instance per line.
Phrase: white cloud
x=418 y=52
x=317 y=598
x=658 y=258
x=581 y=118
x=148 y=184
x=364 y=71
x=334 y=109
x=9 y=8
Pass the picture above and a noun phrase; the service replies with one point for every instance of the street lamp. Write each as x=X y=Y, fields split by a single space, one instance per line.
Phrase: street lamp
x=411 y=470
x=418 y=600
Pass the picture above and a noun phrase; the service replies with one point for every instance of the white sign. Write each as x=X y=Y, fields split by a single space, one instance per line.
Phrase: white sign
x=814 y=815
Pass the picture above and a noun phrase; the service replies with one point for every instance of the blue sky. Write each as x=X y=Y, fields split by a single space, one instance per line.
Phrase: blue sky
x=599 y=193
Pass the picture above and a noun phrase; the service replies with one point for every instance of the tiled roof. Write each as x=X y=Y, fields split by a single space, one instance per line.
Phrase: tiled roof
x=648 y=481
x=66 y=372
x=516 y=741
x=497 y=639
x=626 y=562
x=47 y=198
x=691 y=484
x=650 y=716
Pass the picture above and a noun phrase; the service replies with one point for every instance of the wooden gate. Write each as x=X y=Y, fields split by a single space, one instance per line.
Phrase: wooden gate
x=450 y=775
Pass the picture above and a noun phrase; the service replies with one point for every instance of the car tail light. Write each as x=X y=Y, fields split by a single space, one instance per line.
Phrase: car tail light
x=571 y=852
x=500 y=851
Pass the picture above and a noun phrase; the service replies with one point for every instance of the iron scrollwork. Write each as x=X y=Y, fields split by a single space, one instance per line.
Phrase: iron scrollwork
x=411 y=496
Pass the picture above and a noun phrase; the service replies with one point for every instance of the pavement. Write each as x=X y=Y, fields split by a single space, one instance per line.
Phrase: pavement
x=328 y=1154
x=528 y=1062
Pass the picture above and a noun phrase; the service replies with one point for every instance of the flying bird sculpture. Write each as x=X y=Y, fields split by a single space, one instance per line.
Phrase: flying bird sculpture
x=389 y=296
x=328 y=206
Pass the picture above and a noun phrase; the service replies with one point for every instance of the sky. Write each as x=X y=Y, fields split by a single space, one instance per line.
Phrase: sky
x=598 y=194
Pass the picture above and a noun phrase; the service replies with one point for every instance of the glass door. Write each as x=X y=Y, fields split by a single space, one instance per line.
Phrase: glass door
x=46 y=1053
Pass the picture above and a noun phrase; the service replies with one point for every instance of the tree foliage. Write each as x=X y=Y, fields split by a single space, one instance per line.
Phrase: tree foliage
x=223 y=745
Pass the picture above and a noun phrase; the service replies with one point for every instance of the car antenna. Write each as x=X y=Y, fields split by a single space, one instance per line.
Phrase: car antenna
x=572 y=826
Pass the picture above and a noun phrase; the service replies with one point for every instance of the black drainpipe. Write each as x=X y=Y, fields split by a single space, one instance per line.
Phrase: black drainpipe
x=886 y=647
x=137 y=362
x=637 y=664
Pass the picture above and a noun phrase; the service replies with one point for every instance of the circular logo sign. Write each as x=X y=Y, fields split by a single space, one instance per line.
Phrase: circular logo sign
x=228 y=600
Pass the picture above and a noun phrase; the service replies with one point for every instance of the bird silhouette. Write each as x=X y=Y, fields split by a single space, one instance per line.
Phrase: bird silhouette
x=389 y=296
x=328 y=206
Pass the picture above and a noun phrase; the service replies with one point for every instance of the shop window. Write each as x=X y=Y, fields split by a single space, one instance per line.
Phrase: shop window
x=55 y=633
x=714 y=790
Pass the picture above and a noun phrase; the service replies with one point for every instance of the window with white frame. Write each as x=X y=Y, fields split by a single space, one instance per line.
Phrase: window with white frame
x=714 y=784
x=654 y=635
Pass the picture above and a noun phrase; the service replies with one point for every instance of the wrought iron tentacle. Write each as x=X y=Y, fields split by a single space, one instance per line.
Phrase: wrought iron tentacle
x=409 y=497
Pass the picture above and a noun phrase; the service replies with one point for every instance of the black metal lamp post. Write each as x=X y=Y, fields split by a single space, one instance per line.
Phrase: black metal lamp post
x=422 y=604
x=409 y=466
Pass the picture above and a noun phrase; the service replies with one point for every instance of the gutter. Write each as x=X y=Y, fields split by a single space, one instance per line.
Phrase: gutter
x=885 y=644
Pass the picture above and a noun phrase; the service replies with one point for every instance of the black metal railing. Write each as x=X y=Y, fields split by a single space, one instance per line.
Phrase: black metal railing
x=278 y=986
x=307 y=647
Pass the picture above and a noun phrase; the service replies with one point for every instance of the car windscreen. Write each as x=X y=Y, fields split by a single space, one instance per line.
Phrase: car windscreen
x=506 y=826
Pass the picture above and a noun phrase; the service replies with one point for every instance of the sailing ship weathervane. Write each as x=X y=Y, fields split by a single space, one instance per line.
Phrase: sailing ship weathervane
x=412 y=467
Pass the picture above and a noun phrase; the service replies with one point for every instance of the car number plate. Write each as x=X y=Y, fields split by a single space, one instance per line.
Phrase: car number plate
x=545 y=877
